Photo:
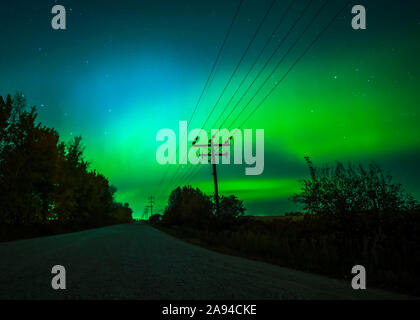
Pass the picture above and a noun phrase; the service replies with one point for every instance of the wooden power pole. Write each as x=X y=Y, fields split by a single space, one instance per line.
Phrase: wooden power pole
x=213 y=156
x=146 y=209
x=151 y=205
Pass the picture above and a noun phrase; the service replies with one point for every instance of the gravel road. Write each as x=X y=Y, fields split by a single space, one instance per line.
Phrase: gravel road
x=136 y=261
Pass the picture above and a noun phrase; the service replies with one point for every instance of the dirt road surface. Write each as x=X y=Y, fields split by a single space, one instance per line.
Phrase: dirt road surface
x=136 y=261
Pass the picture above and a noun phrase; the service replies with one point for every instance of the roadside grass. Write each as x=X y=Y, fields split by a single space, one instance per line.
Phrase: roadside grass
x=306 y=244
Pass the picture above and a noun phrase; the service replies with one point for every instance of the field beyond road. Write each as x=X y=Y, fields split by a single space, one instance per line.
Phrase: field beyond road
x=136 y=261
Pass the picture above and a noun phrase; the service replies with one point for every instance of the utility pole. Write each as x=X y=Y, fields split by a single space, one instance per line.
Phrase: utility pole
x=150 y=206
x=216 y=189
x=146 y=213
x=212 y=156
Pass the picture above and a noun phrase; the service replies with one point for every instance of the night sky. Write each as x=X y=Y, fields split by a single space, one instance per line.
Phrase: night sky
x=123 y=70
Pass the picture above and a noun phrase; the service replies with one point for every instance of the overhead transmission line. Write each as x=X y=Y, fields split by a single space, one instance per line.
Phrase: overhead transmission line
x=268 y=41
x=296 y=62
x=267 y=63
x=250 y=43
x=254 y=36
x=320 y=34
x=280 y=44
x=209 y=77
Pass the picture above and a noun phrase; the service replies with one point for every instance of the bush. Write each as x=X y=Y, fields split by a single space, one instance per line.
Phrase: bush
x=344 y=191
x=188 y=206
x=155 y=219
x=191 y=207
x=230 y=209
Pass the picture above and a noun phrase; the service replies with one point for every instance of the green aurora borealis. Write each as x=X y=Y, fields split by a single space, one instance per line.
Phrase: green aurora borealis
x=123 y=70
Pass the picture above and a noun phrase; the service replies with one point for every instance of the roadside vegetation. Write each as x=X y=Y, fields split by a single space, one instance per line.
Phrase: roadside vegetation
x=350 y=215
x=46 y=186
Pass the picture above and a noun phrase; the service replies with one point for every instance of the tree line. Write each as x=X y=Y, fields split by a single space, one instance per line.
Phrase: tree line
x=46 y=183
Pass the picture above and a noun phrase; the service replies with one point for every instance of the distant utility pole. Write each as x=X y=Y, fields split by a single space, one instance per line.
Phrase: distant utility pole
x=146 y=212
x=150 y=206
x=213 y=156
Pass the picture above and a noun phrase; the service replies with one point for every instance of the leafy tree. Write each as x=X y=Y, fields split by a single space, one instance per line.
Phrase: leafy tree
x=75 y=151
x=155 y=219
x=231 y=207
x=122 y=213
x=188 y=206
x=5 y=113
x=28 y=170
x=45 y=181
x=351 y=189
x=19 y=105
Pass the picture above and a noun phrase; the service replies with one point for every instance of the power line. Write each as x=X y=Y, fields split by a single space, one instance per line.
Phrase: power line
x=271 y=58
x=286 y=12
x=253 y=64
x=210 y=75
x=281 y=61
x=295 y=63
x=162 y=180
x=254 y=36
x=240 y=60
x=295 y=23
x=217 y=58
x=291 y=68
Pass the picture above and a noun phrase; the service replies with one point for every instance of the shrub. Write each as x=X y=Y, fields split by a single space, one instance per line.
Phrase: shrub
x=188 y=206
x=155 y=219
x=342 y=190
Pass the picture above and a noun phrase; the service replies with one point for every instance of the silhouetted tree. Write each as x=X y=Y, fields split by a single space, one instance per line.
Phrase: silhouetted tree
x=155 y=219
x=43 y=180
x=188 y=206
x=28 y=170
x=231 y=206
x=353 y=189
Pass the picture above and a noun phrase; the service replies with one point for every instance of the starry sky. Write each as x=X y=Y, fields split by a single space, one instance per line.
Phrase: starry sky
x=123 y=70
